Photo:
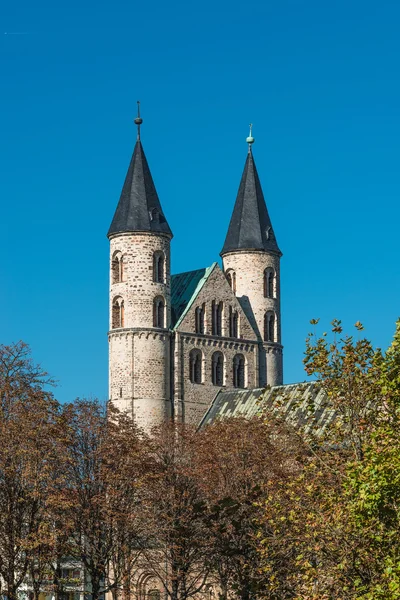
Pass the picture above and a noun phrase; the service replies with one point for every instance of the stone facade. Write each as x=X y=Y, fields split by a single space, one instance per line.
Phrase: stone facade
x=139 y=351
x=192 y=399
x=162 y=363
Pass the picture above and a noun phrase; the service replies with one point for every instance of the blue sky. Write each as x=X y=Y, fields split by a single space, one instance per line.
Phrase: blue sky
x=320 y=81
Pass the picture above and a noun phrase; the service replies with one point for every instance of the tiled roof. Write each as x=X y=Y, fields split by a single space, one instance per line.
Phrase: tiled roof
x=139 y=208
x=250 y=227
x=184 y=289
x=303 y=404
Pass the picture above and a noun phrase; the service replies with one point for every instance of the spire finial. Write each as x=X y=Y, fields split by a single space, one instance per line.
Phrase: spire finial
x=250 y=139
x=138 y=120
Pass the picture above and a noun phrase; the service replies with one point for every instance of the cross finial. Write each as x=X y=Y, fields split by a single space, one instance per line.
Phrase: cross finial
x=138 y=120
x=250 y=139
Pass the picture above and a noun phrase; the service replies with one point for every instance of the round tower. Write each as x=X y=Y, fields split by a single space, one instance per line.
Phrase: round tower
x=251 y=259
x=140 y=298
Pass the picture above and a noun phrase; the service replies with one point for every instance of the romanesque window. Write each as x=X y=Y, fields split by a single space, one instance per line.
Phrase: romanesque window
x=118 y=313
x=233 y=323
x=217 y=311
x=269 y=283
x=117 y=267
x=269 y=327
x=217 y=368
x=195 y=366
x=239 y=371
x=159 y=312
x=199 y=319
x=231 y=277
x=159 y=267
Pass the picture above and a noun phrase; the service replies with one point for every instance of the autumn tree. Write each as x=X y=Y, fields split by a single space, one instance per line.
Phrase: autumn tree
x=176 y=546
x=344 y=528
x=28 y=420
x=98 y=500
x=247 y=461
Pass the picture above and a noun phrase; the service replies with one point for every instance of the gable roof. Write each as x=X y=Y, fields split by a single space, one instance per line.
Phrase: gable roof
x=250 y=227
x=184 y=289
x=302 y=404
x=139 y=208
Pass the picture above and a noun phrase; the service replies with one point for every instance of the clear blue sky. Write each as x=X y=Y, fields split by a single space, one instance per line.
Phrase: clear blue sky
x=319 y=80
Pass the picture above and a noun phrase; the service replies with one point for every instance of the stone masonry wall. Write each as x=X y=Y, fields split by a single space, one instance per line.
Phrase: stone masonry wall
x=138 y=289
x=139 y=354
x=140 y=374
x=191 y=399
x=249 y=267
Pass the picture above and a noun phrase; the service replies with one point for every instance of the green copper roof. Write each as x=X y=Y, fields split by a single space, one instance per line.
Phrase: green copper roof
x=302 y=404
x=184 y=290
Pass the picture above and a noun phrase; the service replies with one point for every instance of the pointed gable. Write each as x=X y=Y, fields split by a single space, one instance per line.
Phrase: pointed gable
x=184 y=290
x=202 y=287
x=139 y=208
x=250 y=227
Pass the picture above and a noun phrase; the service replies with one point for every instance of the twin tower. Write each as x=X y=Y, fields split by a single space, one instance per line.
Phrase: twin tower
x=174 y=342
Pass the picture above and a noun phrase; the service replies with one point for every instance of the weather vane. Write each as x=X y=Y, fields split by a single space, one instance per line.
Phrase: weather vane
x=138 y=120
x=250 y=139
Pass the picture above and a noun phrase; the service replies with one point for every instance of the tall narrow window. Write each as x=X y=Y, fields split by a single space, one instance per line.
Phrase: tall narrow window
x=195 y=366
x=199 y=319
x=239 y=371
x=217 y=368
x=269 y=283
x=233 y=323
x=217 y=309
x=117 y=268
x=213 y=318
x=269 y=327
x=118 y=316
x=231 y=277
x=159 y=267
x=159 y=312
x=217 y=313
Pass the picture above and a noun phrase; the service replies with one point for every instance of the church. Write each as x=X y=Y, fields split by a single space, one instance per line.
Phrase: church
x=177 y=342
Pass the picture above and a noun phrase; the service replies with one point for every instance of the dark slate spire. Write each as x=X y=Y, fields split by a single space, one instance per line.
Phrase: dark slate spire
x=139 y=208
x=250 y=227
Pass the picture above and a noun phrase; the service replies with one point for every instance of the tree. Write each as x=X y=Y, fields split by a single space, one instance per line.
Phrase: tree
x=174 y=510
x=344 y=520
x=28 y=421
x=98 y=498
x=248 y=460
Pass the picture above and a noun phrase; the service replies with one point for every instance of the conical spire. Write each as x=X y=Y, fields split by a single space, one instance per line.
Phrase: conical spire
x=250 y=227
x=139 y=208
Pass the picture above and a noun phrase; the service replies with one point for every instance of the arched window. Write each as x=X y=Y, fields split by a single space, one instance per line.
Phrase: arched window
x=231 y=277
x=117 y=267
x=217 y=311
x=159 y=312
x=239 y=371
x=199 y=318
x=217 y=368
x=159 y=267
x=233 y=323
x=269 y=283
x=118 y=316
x=195 y=366
x=269 y=327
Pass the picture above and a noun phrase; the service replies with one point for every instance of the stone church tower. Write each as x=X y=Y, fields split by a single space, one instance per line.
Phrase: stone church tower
x=140 y=298
x=177 y=342
x=251 y=262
